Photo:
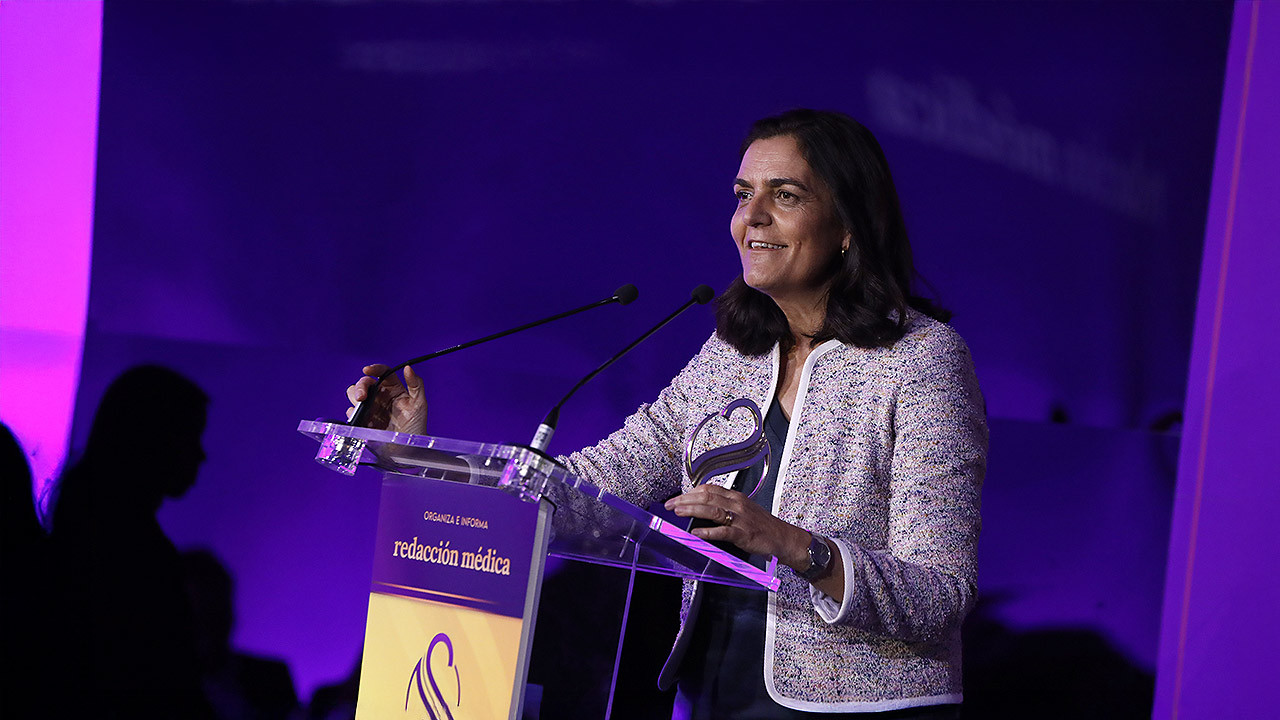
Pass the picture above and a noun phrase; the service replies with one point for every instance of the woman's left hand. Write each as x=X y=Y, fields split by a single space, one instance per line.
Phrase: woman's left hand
x=741 y=521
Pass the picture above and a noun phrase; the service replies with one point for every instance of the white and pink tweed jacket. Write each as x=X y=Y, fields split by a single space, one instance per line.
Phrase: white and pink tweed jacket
x=885 y=455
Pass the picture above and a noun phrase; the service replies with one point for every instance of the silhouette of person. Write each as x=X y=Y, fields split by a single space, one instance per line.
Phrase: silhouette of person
x=25 y=598
x=240 y=686
x=128 y=640
x=20 y=524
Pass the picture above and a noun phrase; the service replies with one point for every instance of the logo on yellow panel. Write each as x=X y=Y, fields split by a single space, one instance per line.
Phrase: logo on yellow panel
x=435 y=703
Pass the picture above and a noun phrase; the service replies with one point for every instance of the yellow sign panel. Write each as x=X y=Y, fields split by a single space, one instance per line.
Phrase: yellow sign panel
x=431 y=661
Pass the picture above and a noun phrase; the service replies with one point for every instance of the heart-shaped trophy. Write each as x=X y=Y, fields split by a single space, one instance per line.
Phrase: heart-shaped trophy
x=737 y=456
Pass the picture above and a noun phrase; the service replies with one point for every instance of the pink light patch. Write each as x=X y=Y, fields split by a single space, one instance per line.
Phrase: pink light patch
x=50 y=62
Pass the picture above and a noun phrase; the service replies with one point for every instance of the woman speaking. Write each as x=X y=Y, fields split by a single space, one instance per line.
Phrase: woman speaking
x=872 y=500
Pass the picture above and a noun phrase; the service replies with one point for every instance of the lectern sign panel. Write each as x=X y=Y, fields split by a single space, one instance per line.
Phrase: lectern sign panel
x=448 y=603
x=460 y=544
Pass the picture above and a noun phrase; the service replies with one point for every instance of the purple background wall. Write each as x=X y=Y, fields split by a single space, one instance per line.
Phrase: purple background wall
x=1220 y=626
x=287 y=191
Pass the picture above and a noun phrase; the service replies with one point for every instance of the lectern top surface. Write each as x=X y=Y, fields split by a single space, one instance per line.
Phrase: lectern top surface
x=590 y=524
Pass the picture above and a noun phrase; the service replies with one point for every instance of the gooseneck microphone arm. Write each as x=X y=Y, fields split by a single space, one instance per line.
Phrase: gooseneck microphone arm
x=541 y=439
x=621 y=296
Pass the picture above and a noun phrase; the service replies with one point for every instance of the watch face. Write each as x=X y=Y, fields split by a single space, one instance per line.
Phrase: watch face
x=819 y=558
x=819 y=552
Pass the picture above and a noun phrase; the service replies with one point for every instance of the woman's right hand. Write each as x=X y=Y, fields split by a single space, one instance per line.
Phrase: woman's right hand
x=401 y=407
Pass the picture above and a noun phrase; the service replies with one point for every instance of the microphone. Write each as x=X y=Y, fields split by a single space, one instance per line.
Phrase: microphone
x=622 y=296
x=700 y=295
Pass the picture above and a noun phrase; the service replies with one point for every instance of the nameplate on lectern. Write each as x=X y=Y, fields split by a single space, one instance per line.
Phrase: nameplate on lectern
x=452 y=601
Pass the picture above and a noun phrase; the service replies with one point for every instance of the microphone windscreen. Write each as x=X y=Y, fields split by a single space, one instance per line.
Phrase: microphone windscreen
x=703 y=294
x=626 y=294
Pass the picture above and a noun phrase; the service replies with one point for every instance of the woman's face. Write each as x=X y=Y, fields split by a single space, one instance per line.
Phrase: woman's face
x=787 y=231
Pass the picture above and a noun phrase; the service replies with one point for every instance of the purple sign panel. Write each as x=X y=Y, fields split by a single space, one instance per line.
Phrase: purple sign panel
x=466 y=545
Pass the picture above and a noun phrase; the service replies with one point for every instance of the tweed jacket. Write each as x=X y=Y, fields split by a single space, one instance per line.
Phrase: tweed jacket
x=885 y=456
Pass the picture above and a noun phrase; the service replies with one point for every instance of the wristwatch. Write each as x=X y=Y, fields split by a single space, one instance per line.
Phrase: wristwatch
x=819 y=559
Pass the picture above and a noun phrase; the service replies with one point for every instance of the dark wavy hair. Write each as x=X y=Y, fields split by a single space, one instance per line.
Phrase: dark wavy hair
x=870 y=293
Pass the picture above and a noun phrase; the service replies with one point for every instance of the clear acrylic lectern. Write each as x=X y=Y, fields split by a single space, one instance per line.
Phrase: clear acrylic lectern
x=464 y=530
